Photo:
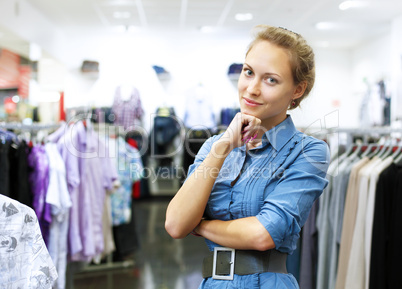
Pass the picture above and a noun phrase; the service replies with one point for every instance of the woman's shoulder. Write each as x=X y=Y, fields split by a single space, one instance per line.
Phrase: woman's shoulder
x=312 y=146
x=309 y=139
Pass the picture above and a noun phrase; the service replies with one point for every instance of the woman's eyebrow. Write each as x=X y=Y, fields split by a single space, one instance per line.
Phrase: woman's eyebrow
x=266 y=73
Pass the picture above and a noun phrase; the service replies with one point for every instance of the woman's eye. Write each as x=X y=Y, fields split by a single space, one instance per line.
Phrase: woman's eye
x=271 y=80
x=248 y=72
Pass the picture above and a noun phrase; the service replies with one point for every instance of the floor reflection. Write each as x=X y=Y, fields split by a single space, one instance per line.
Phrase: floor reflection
x=160 y=261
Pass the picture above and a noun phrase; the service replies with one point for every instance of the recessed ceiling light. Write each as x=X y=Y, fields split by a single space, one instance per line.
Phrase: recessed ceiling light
x=244 y=16
x=120 y=29
x=348 y=4
x=207 y=29
x=133 y=28
x=121 y=14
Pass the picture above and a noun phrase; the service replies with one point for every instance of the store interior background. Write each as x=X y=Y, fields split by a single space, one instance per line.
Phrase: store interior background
x=196 y=41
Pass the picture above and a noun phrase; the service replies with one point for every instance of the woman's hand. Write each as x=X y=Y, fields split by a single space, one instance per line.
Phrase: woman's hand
x=241 y=130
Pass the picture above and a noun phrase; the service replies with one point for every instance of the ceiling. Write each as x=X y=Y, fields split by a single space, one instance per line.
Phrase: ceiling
x=343 y=28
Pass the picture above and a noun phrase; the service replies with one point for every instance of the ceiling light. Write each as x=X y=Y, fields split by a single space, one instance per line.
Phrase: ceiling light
x=121 y=15
x=207 y=29
x=120 y=28
x=244 y=16
x=348 y=4
x=133 y=28
x=120 y=3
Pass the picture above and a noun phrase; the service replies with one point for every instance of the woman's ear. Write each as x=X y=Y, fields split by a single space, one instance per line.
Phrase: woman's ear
x=300 y=89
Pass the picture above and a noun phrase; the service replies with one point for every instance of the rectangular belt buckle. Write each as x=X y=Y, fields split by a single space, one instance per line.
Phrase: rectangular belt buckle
x=232 y=262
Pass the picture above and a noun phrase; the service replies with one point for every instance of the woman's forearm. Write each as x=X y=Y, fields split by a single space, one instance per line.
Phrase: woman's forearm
x=188 y=205
x=246 y=233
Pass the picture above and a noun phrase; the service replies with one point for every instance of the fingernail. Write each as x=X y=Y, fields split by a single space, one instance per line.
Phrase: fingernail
x=253 y=137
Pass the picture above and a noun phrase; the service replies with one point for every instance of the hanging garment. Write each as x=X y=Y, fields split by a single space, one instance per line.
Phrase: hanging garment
x=19 y=183
x=309 y=252
x=97 y=175
x=199 y=113
x=24 y=259
x=355 y=276
x=128 y=112
x=4 y=169
x=348 y=223
x=368 y=230
x=65 y=138
x=192 y=144
x=39 y=181
x=130 y=170
x=58 y=198
x=165 y=129
x=386 y=250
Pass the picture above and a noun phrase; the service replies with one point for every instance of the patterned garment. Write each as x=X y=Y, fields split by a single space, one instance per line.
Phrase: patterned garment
x=24 y=259
x=127 y=113
x=130 y=170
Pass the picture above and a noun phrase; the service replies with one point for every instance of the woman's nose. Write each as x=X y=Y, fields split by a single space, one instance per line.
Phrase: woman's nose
x=254 y=87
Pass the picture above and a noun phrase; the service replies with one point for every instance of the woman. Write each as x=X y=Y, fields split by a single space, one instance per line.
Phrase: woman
x=251 y=188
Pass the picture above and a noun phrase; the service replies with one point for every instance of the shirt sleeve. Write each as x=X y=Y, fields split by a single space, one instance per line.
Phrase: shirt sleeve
x=287 y=205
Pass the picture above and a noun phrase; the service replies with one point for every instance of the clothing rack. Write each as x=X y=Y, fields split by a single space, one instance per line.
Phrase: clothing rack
x=28 y=127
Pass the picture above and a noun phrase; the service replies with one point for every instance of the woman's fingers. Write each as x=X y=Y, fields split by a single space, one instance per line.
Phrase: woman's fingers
x=242 y=129
x=251 y=125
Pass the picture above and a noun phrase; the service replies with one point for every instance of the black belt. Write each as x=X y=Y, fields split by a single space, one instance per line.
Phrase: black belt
x=224 y=262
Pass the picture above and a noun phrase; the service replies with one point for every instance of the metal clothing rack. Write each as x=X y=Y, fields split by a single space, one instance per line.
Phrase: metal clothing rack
x=366 y=133
x=28 y=127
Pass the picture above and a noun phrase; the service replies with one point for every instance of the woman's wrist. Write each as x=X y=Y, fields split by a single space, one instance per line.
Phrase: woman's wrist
x=196 y=232
x=221 y=148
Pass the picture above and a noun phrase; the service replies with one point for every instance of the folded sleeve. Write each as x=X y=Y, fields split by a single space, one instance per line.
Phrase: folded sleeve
x=290 y=194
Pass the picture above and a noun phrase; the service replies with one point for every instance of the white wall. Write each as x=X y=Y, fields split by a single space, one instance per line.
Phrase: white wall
x=205 y=59
x=331 y=94
x=192 y=59
x=396 y=62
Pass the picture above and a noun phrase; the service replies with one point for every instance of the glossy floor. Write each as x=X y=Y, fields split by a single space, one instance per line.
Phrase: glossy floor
x=160 y=262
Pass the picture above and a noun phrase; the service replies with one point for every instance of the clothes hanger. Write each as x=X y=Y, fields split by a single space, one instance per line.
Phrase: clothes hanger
x=397 y=151
x=355 y=153
x=368 y=150
x=398 y=160
x=386 y=152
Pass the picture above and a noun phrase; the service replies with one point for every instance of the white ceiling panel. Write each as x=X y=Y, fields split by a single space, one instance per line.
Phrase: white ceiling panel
x=349 y=27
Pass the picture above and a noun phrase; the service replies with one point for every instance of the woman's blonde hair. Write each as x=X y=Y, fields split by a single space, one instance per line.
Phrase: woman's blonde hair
x=300 y=53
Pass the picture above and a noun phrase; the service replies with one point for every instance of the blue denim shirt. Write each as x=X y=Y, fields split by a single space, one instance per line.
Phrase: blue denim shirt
x=279 y=182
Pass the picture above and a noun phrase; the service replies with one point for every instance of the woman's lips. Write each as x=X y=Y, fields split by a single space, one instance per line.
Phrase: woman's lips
x=250 y=102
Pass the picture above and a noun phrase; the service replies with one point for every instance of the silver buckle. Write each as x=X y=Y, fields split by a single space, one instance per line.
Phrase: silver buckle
x=232 y=262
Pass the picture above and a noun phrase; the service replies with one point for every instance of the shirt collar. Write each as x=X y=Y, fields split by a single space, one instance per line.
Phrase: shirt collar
x=280 y=134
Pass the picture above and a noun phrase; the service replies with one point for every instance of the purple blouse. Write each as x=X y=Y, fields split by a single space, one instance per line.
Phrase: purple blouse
x=39 y=181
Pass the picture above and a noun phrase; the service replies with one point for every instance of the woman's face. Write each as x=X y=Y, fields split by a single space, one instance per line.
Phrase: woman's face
x=266 y=85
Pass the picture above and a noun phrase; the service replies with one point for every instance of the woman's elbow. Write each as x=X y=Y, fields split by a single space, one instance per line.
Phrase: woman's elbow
x=174 y=230
x=263 y=242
